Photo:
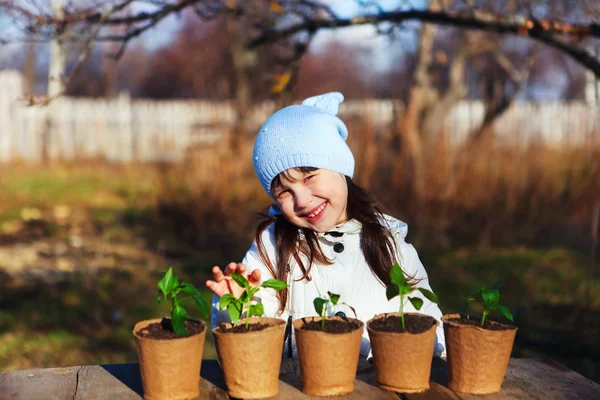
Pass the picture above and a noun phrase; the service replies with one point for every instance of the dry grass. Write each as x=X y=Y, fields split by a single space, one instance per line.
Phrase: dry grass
x=487 y=194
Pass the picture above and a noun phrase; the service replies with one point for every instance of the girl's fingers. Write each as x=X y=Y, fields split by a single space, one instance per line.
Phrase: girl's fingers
x=218 y=274
x=241 y=268
x=215 y=287
x=230 y=268
x=254 y=277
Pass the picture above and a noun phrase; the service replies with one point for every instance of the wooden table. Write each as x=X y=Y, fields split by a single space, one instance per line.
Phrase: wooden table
x=525 y=379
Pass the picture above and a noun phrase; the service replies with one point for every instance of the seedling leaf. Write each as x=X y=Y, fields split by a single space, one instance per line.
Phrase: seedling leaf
x=234 y=311
x=490 y=298
x=429 y=295
x=170 y=286
x=506 y=312
x=188 y=288
x=178 y=317
x=240 y=280
x=391 y=292
x=253 y=292
x=406 y=289
x=166 y=284
x=226 y=300
x=319 y=303
x=416 y=302
x=256 y=310
x=397 y=276
x=334 y=297
x=245 y=297
x=274 y=284
x=236 y=307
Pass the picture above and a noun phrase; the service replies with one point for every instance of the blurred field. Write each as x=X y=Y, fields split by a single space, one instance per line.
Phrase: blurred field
x=82 y=245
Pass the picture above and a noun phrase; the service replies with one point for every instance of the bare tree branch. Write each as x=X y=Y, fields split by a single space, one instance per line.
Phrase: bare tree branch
x=309 y=16
x=555 y=34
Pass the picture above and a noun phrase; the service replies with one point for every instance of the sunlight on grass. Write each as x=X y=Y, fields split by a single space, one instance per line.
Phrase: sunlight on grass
x=22 y=349
x=555 y=276
x=99 y=187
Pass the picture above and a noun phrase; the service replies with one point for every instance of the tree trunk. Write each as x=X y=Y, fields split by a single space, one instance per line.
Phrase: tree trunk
x=410 y=124
x=243 y=59
x=58 y=57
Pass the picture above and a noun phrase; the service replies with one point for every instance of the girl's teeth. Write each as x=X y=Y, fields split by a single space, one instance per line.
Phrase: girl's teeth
x=318 y=211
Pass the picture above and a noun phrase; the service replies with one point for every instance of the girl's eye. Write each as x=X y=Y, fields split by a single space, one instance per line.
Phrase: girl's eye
x=308 y=178
x=282 y=193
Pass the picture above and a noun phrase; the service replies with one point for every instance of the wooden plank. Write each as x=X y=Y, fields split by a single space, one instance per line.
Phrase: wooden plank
x=115 y=381
x=525 y=379
x=546 y=379
x=50 y=384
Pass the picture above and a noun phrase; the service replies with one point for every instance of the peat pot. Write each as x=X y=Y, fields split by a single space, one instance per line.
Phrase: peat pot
x=328 y=359
x=166 y=375
x=402 y=357
x=250 y=359
x=477 y=356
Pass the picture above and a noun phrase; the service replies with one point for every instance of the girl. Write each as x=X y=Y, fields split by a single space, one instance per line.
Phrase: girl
x=323 y=232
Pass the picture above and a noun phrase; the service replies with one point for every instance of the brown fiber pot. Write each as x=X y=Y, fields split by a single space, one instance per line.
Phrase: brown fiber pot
x=251 y=360
x=477 y=357
x=403 y=360
x=170 y=368
x=328 y=361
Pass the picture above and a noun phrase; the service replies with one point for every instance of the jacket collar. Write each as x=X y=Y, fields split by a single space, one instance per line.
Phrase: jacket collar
x=351 y=227
x=354 y=227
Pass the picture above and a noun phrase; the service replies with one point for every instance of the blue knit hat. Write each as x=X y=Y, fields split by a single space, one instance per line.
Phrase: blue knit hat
x=307 y=135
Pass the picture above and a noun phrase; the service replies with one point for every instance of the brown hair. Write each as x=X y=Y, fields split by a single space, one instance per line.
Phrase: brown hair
x=377 y=243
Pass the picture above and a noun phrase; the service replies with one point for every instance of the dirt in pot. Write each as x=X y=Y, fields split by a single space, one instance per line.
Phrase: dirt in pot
x=331 y=326
x=242 y=328
x=163 y=330
x=413 y=323
x=491 y=325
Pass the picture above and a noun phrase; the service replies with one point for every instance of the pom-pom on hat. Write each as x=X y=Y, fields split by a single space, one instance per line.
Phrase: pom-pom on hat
x=306 y=135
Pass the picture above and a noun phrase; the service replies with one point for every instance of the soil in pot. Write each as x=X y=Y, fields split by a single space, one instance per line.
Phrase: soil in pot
x=402 y=356
x=166 y=375
x=491 y=325
x=228 y=328
x=163 y=330
x=332 y=326
x=477 y=356
x=393 y=323
x=250 y=358
x=334 y=348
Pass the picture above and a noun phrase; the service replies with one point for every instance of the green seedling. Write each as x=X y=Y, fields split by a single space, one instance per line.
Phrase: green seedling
x=322 y=305
x=170 y=286
x=490 y=300
x=400 y=287
x=236 y=307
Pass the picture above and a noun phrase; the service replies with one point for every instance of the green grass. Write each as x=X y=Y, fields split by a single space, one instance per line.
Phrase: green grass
x=91 y=186
x=529 y=276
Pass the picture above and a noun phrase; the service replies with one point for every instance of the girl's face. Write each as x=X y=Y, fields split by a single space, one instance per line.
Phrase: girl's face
x=316 y=200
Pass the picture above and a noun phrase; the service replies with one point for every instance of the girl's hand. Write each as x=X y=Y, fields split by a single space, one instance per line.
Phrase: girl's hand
x=223 y=283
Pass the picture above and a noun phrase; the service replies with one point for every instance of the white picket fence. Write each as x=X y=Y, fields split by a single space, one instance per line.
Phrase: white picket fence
x=123 y=129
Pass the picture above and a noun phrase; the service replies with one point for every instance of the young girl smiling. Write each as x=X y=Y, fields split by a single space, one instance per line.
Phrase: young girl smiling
x=323 y=232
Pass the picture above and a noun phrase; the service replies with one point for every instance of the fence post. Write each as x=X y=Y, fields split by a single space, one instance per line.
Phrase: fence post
x=11 y=89
x=125 y=138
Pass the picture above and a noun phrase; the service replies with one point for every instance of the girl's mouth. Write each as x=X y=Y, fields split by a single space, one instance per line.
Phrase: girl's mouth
x=316 y=213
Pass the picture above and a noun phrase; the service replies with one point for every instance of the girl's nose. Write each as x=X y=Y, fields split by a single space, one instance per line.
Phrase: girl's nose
x=301 y=199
